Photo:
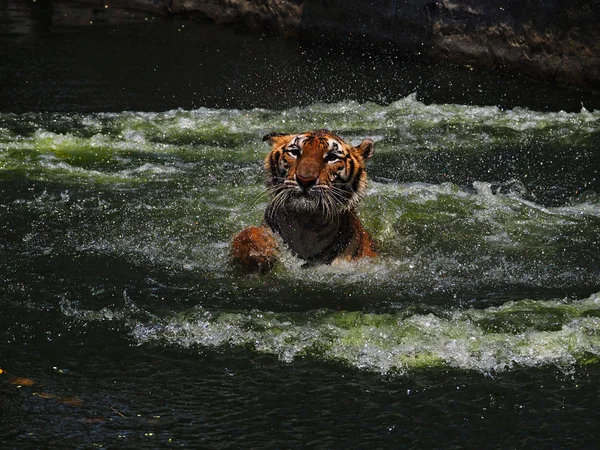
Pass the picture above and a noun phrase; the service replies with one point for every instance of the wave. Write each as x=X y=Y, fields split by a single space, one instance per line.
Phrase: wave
x=464 y=203
x=525 y=333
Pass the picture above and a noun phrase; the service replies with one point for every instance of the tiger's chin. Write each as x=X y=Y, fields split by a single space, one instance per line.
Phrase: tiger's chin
x=304 y=205
x=313 y=205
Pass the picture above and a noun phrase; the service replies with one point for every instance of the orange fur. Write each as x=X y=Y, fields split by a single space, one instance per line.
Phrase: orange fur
x=255 y=249
x=316 y=180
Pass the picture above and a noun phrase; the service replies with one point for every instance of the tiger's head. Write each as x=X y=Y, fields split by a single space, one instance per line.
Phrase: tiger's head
x=316 y=172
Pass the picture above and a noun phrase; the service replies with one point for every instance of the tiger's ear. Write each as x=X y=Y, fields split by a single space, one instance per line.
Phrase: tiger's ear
x=277 y=139
x=365 y=149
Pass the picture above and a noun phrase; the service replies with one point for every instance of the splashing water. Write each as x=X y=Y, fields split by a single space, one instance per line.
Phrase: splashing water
x=486 y=221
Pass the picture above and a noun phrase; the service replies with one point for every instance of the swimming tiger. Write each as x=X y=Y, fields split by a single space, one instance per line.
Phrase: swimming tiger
x=315 y=181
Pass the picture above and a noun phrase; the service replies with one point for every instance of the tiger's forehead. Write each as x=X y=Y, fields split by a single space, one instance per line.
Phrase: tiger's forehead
x=328 y=141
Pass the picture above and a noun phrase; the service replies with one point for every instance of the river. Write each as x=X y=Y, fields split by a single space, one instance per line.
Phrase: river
x=130 y=153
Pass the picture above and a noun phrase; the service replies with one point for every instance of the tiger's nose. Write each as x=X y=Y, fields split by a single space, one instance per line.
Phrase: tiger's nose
x=305 y=182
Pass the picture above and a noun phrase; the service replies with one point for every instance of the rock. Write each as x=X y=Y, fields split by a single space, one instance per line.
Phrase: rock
x=552 y=40
x=282 y=16
x=555 y=41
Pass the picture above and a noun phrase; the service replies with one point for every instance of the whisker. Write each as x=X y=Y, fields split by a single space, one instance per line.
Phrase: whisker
x=257 y=198
x=277 y=201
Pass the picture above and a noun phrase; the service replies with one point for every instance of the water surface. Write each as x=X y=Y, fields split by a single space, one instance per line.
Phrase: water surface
x=123 y=324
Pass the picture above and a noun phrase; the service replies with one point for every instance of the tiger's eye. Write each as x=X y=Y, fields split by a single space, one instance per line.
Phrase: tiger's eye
x=294 y=151
x=331 y=157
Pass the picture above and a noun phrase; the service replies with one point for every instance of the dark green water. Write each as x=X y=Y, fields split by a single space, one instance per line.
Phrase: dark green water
x=477 y=327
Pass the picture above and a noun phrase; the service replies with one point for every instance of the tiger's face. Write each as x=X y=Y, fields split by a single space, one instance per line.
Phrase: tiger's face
x=316 y=172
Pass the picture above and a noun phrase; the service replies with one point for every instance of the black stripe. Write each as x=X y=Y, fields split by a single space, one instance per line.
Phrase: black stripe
x=273 y=163
x=308 y=140
x=357 y=179
x=270 y=135
x=352 y=167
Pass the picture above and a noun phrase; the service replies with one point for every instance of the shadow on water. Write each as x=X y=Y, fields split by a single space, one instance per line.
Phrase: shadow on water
x=320 y=405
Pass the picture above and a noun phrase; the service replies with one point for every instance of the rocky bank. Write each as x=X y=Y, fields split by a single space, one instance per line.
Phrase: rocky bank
x=552 y=40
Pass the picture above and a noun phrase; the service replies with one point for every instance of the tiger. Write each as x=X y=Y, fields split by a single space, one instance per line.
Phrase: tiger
x=315 y=182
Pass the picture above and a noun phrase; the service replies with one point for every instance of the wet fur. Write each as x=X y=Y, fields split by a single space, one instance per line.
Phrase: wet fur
x=315 y=181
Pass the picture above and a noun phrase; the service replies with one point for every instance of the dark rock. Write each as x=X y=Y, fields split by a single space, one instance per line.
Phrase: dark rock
x=551 y=40
x=282 y=16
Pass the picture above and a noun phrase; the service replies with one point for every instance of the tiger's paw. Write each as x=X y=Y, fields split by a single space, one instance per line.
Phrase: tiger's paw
x=255 y=249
